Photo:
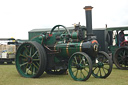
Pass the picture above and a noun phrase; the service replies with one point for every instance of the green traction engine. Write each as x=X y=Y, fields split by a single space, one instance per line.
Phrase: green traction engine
x=60 y=49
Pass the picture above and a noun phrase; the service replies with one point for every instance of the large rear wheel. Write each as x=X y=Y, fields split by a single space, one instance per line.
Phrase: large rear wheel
x=30 y=59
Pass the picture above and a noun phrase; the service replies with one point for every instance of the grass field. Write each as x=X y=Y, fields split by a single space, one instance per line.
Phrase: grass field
x=10 y=76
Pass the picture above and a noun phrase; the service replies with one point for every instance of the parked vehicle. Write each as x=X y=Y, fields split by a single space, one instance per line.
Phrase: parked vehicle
x=7 y=50
x=109 y=42
x=57 y=50
x=119 y=48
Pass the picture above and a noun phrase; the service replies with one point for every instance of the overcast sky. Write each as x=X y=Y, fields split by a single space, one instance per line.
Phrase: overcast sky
x=17 y=17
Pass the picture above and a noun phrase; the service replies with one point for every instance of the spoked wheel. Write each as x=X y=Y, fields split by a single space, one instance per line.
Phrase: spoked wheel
x=30 y=60
x=56 y=72
x=103 y=65
x=80 y=66
x=121 y=58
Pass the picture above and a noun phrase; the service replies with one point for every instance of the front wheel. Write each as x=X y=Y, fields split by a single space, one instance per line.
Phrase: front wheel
x=102 y=66
x=30 y=59
x=80 y=66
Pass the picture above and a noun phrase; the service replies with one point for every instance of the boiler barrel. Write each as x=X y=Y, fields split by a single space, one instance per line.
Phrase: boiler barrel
x=67 y=49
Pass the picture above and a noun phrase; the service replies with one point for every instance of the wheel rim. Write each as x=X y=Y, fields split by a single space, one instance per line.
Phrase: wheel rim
x=103 y=66
x=121 y=58
x=80 y=66
x=67 y=30
x=28 y=60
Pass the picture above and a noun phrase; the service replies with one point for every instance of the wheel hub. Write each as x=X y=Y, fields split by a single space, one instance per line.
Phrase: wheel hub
x=124 y=57
x=29 y=59
x=79 y=66
x=100 y=64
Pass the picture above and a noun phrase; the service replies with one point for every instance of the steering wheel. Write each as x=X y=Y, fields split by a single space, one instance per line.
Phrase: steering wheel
x=57 y=26
x=124 y=43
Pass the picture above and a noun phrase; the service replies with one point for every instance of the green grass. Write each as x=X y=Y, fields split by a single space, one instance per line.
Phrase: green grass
x=10 y=76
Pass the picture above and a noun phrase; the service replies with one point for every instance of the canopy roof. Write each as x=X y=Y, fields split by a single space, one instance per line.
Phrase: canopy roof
x=117 y=28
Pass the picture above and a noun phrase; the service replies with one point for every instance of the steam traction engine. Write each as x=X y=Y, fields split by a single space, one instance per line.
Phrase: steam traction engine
x=58 y=50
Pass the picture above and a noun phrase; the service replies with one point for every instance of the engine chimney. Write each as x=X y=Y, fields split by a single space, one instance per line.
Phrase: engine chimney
x=88 y=12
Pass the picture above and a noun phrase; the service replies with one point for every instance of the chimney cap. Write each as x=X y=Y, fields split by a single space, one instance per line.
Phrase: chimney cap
x=88 y=7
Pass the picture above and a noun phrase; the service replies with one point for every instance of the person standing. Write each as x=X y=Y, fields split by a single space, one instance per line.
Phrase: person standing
x=121 y=37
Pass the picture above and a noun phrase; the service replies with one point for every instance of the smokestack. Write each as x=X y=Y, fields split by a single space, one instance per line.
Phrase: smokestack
x=88 y=12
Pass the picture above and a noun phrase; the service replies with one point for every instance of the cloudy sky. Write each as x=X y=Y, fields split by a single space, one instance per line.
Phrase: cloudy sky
x=17 y=17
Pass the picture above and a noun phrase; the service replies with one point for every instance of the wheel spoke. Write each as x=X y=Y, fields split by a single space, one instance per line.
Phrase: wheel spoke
x=34 y=70
x=86 y=70
x=123 y=62
x=82 y=74
x=120 y=61
x=81 y=59
x=23 y=64
x=34 y=54
x=121 y=52
x=94 y=68
x=124 y=53
x=37 y=63
x=26 y=66
x=76 y=73
x=27 y=70
x=120 y=55
x=35 y=66
x=21 y=55
x=24 y=59
x=36 y=59
x=75 y=60
x=30 y=52
x=98 y=71
x=104 y=70
x=31 y=68
x=85 y=62
x=26 y=49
